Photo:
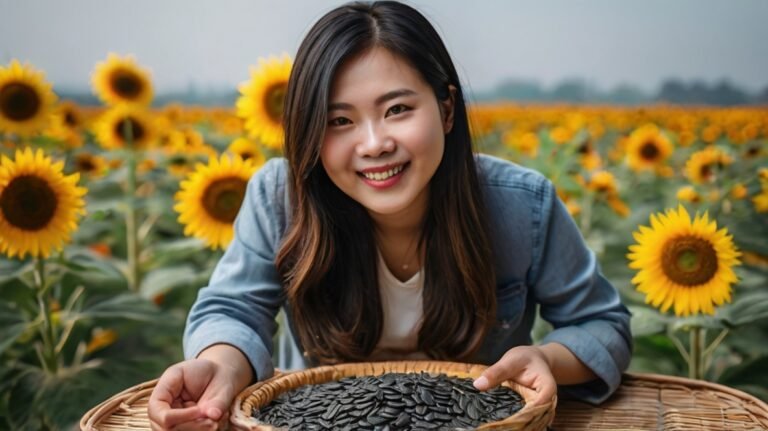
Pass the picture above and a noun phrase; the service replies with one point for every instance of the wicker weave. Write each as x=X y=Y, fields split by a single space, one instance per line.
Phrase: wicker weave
x=642 y=402
x=530 y=417
x=657 y=402
x=123 y=412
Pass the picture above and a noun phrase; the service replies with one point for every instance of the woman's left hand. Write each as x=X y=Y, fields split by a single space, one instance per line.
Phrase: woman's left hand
x=526 y=365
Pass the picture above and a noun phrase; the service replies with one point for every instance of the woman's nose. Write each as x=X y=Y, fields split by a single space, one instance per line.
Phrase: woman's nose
x=375 y=142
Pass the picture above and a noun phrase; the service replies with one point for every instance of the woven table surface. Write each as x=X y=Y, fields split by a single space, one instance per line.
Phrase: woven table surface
x=642 y=402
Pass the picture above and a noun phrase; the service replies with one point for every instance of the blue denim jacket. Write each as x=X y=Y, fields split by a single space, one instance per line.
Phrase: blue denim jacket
x=540 y=257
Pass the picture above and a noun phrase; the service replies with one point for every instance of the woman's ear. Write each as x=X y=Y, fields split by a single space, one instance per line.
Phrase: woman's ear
x=447 y=108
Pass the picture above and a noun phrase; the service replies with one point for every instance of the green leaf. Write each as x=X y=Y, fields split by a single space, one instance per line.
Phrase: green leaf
x=646 y=321
x=656 y=354
x=748 y=374
x=706 y=322
x=125 y=306
x=12 y=325
x=175 y=251
x=11 y=268
x=747 y=308
x=161 y=280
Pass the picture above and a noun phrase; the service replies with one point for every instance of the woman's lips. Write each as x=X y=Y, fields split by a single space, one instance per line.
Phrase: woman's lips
x=384 y=178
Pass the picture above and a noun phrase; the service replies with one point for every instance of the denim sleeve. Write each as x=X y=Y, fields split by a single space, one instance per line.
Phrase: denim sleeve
x=583 y=307
x=239 y=305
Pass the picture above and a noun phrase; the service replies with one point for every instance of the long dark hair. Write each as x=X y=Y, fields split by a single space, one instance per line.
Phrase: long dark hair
x=328 y=257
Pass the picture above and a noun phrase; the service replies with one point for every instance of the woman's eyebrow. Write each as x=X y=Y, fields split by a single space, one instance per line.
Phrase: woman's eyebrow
x=394 y=94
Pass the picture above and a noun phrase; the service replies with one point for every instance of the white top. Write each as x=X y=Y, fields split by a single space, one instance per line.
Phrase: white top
x=402 y=304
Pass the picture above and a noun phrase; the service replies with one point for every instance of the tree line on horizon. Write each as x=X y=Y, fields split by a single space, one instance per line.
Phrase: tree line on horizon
x=574 y=90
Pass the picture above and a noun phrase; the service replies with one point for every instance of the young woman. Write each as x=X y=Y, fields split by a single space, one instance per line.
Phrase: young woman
x=384 y=237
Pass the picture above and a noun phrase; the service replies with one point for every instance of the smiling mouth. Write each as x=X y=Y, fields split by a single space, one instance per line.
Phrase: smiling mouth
x=385 y=175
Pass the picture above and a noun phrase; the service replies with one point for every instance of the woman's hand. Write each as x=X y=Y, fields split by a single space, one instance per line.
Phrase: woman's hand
x=526 y=365
x=193 y=395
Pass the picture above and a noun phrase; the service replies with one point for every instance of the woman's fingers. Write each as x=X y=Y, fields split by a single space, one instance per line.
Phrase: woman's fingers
x=168 y=418
x=504 y=369
x=199 y=425
x=525 y=366
x=166 y=409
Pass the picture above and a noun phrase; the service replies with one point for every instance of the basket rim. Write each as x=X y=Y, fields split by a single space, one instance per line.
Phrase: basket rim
x=96 y=414
x=529 y=413
x=108 y=406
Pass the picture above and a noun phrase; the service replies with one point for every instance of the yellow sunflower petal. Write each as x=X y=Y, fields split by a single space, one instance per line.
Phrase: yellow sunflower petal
x=683 y=263
x=209 y=200
x=26 y=100
x=261 y=102
x=121 y=80
x=39 y=205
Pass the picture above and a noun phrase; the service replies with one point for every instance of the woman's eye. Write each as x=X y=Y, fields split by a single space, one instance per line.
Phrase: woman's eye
x=339 y=121
x=398 y=109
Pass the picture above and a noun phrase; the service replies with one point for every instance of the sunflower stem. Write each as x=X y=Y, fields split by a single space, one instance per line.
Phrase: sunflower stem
x=47 y=331
x=716 y=342
x=679 y=345
x=695 y=370
x=131 y=222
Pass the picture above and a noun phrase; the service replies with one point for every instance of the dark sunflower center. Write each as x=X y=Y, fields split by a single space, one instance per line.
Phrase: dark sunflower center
x=649 y=151
x=19 y=101
x=752 y=151
x=585 y=148
x=85 y=164
x=246 y=155
x=223 y=197
x=28 y=202
x=137 y=132
x=273 y=101
x=178 y=161
x=126 y=84
x=689 y=261
x=70 y=119
x=705 y=171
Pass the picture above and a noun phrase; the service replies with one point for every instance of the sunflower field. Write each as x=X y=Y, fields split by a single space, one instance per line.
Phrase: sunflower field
x=112 y=217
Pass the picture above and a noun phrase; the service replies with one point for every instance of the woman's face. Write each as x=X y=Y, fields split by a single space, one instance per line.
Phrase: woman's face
x=385 y=133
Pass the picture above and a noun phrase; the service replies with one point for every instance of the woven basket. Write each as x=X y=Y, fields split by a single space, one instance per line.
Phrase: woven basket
x=656 y=402
x=123 y=412
x=642 y=402
x=530 y=417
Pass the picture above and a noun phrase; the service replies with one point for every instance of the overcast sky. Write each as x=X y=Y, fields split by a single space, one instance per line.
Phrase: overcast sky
x=212 y=43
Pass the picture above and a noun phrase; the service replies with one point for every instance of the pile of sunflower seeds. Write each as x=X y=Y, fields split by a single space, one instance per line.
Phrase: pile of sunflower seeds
x=394 y=401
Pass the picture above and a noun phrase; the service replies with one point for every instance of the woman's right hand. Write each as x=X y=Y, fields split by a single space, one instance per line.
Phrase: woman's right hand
x=193 y=395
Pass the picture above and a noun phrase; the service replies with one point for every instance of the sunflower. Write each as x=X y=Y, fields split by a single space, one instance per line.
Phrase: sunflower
x=121 y=80
x=262 y=98
x=210 y=199
x=111 y=127
x=66 y=125
x=39 y=205
x=524 y=142
x=603 y=182
x=688 y=194
x=739 y=191
x=247 y=149
x=90 y=165
x=647 y=148
x=26 y=100
x=683 y=262
x=703 y=165
x=760 y=201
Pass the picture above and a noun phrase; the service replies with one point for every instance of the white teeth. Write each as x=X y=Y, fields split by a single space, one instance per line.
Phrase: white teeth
x=381 y=176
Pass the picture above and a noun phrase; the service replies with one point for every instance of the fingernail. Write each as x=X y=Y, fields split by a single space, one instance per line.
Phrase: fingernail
x=214 y=413
x=481 y=383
